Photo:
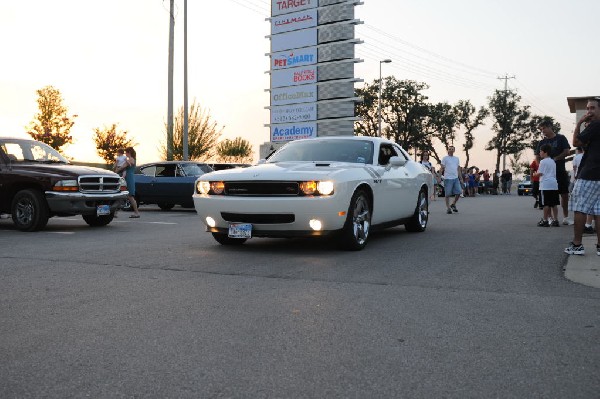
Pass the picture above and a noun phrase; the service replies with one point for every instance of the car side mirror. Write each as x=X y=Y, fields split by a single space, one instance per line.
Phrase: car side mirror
x=397 y=161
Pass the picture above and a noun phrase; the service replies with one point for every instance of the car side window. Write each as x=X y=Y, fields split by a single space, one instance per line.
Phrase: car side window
x=386 y=151
x=402 y=153
x=149 y=171
x=165 y=170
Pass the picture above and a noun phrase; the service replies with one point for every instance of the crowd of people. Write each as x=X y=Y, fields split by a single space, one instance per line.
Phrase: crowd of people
x=552 y=185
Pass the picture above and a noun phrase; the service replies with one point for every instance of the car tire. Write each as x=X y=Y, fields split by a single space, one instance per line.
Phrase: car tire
x=164 y=206
x=98 y=221
x=29 y=210
x=357 y=227
x=224 y=239
x=418 y=221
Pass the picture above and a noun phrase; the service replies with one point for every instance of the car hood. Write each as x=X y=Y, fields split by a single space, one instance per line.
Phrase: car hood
x=60 y=169
x=285 y=171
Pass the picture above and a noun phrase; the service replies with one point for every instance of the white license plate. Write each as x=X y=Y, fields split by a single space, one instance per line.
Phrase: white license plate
x=103 y=210
x=240 y=230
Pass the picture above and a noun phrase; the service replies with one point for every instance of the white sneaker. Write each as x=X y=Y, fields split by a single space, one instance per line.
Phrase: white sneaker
x=567 y=222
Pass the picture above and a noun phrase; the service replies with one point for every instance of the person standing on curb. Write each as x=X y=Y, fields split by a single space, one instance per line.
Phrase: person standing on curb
x=560 y=150
x=130 y=179
x=586 y=192
x=453 y=180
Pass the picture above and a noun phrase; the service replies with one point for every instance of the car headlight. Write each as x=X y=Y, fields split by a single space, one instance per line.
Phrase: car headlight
x=202 y=187
x=66 y=185
x=316 y=187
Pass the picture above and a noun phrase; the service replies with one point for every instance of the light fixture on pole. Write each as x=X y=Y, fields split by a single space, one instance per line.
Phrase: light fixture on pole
x=379 y=100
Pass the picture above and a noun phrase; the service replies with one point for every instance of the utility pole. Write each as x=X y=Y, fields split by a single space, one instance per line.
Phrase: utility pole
x=505 y=78
x=185 y=84
x=170 y=83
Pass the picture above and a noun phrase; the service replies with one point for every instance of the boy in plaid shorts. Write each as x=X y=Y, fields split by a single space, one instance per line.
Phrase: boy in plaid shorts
x=586 y=192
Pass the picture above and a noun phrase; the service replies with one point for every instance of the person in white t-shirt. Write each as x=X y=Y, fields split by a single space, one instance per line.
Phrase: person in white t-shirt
x=452 y=179
x=549 y=198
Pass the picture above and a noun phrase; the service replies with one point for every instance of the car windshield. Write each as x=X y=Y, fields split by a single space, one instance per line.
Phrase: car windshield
x=338 y=150
x=30 y=150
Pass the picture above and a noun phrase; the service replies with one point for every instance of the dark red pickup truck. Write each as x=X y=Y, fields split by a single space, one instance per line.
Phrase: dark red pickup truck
x=37 y=182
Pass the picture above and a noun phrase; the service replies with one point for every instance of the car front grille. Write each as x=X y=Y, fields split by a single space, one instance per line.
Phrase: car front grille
x=258 y=218
x=99 y=184
x=264 y=188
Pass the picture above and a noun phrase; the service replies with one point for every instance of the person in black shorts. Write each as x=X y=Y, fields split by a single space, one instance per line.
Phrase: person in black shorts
x=560 y=150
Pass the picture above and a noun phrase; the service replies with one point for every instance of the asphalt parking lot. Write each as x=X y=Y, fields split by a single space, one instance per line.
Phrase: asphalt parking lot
x=477 y=306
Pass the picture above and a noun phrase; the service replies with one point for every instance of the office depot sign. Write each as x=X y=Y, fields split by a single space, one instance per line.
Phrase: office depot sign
x=279 y=7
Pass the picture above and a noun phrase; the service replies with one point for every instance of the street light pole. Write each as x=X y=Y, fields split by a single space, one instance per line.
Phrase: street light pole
x=387 y=61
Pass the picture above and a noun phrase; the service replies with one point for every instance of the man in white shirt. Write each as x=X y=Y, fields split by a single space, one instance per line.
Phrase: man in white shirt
x=452 y=179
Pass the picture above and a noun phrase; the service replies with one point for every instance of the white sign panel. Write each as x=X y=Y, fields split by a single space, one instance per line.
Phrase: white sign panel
x=294 y=58
x=295 y=21
x=294 y=95
x=279 y=7
x=295 y=39
x=294 y=113
x=294 y=76
x=294 y=131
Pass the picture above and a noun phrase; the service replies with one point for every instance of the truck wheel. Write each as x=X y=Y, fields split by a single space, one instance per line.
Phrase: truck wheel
x=98 y=221
x=165 y=206
x=29 y=210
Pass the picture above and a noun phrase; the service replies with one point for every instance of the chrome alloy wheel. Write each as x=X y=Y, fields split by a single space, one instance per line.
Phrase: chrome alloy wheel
x=361 y=219
x=24 y=211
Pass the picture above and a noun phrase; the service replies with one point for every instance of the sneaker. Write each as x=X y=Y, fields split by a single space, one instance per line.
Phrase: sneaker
x=567 y=222
x=536 y=204
x=597 y=249
x=543 y=223
x=454 y=208
x=588 y=230
x=573 y=249
x=555 y=223
x=449 y=211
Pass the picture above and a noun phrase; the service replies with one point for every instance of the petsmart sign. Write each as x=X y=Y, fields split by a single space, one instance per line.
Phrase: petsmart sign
x=294 y=58
x=295 y=131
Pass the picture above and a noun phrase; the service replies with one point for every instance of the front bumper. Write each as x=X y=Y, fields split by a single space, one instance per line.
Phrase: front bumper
x=330 y=211
x=76 y=203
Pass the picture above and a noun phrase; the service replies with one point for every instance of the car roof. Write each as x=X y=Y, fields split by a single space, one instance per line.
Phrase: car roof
x=172 y=163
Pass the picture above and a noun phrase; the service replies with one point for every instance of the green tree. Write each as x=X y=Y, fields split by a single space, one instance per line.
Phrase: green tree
x=203 y=135
x=512 y=124
x=368 y=124
x=469 y=118
x=108 y=140
x=440 y=125
x=404 y=110
x=51 y=125
x=237 y=150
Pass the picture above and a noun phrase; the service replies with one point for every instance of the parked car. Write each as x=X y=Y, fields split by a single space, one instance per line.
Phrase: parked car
x=167 y=183
x=38 y=183
x=330 y=186
x=525 y=187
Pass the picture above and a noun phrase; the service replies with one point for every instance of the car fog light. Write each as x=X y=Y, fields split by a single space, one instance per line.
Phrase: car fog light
x=210 y=222
x=315 y=224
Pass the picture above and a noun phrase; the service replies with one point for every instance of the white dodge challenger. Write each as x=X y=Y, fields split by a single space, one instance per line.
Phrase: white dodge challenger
x=341 y=186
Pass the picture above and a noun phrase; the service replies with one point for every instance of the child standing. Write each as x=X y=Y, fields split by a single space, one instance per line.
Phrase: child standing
x=549 y=197
x=120 y=163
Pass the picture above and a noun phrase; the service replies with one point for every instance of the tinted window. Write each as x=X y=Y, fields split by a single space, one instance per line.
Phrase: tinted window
x=386 y=151
x=149 y=170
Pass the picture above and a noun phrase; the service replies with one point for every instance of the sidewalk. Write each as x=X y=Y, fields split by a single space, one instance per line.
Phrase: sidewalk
x=585 y=269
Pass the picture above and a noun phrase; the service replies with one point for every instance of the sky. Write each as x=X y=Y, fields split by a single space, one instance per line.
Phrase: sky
x=109 y=60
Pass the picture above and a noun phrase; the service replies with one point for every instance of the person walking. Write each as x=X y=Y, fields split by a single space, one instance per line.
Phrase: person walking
x=560 y=150
x=586 y=192
x=130 y=179
x=548 y=188
x=453 y=180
